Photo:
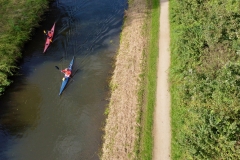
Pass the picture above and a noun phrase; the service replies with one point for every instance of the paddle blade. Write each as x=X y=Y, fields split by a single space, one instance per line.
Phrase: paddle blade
x=56 y=67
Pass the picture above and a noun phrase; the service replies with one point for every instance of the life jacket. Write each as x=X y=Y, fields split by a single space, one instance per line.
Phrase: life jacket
x=67 y=72
x=49 y=34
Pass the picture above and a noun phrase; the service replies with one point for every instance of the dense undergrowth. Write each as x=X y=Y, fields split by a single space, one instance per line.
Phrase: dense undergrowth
x=17 y=18
x=205 y=79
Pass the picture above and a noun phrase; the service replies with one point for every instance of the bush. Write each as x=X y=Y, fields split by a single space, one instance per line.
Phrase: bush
x=17 y=19
x=205 y=79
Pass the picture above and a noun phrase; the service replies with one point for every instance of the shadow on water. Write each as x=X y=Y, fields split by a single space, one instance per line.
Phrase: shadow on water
x=36 y=123
x=17 y=116
x=18 y=113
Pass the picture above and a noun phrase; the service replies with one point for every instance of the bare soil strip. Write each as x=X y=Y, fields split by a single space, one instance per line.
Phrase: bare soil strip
x=162 y=129
x=121 y=124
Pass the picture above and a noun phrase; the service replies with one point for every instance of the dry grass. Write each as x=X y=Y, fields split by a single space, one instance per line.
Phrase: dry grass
x=121 y=124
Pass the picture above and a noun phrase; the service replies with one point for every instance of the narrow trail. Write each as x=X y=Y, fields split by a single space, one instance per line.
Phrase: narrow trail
x=162 y=128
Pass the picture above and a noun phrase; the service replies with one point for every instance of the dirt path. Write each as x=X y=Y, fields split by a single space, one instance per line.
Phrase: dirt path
x=162 y=130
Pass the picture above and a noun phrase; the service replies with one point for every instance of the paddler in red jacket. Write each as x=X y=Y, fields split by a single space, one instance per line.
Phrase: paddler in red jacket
x=67 y=72
x=50 y=34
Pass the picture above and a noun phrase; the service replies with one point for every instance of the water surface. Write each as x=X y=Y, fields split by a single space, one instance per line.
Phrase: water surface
x=36 y=123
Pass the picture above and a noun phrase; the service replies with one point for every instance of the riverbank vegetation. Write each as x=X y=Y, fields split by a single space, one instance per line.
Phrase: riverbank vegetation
x=17 y=18
x=147 y=94
x=205 y=79
x=128 y=130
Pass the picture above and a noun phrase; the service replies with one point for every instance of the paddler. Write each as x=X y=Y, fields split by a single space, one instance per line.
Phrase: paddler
x=49 y=34
x=67 y=72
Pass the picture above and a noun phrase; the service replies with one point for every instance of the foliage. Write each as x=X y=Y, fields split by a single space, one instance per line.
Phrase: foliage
x=205 y=80
x=17 y=19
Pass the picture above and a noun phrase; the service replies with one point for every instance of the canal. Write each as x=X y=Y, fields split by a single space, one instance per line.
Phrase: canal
x=35 y=122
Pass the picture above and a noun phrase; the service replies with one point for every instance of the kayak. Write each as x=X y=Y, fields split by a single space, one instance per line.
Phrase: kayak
x=48 y=40
x=65 y=78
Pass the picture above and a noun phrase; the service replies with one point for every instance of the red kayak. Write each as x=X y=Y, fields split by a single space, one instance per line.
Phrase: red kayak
x=49 y=39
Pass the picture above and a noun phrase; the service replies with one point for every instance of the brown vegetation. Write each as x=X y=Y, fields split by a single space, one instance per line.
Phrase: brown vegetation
x=121 y=124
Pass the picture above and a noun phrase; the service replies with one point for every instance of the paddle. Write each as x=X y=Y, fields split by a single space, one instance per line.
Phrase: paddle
x=57 y=67
x=45 y=32
x=59 y=70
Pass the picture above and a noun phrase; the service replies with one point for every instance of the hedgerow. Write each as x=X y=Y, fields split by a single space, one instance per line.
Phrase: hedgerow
x=205 y=79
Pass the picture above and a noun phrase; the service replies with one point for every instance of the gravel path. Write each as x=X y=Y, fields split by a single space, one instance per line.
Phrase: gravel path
x=162 y=128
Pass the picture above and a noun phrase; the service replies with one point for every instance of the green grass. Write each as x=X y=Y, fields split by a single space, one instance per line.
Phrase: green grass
x=147 y=93
x=205 y=81
x=17 y=19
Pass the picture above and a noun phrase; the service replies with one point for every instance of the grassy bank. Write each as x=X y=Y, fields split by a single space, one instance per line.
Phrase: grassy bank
x=17 y=19
x=205 y=71
x=147 y=94
x=128 y=130
x=133 y=85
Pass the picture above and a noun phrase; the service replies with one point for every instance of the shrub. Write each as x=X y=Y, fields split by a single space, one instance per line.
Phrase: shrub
x=205 y=78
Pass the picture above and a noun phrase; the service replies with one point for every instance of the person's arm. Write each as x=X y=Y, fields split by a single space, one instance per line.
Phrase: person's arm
x=63 y=71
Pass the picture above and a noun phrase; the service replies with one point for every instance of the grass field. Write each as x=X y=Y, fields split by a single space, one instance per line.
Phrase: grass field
x=205 y=79
x=17 y=19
